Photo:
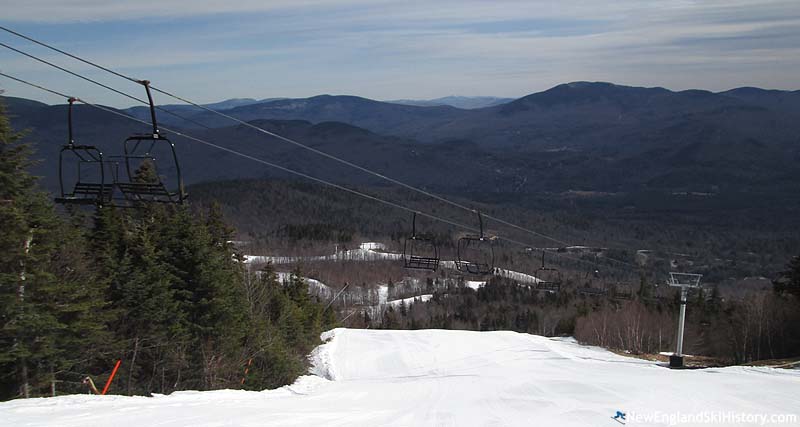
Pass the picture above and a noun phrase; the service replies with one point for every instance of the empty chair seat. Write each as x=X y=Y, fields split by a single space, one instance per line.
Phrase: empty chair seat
x=420 y=251
x=151 y=189
x=423 y=263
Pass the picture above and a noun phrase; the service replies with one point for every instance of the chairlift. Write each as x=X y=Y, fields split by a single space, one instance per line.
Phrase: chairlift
x=419 y=250
x=590 y=290
x=622 y=291
x=593 y=286
x=93 y=183
x=140 y=152
x=476 y=253
x=549 y=278
x=657 y=296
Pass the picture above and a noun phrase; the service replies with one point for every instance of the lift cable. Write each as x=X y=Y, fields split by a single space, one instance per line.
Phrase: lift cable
x=142 y=101
x=306 y=147
x=290 y=171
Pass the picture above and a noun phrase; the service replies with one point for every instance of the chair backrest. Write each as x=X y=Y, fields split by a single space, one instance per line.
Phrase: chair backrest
x=475 y=255
x=156 y=152
x=420 y=251
x=82 y=171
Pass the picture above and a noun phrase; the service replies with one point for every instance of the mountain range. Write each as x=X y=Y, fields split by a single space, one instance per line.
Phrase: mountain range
x=575 y=137
x=463 y=102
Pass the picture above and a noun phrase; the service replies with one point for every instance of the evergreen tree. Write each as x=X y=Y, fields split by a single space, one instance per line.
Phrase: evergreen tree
x=148 y=320
x=47 y=307
x=284 y=326
x=789 y=280
x=156 y=286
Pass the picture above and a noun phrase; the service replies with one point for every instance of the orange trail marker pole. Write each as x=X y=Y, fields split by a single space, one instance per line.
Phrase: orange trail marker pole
x=111 y=378
x=247 y=369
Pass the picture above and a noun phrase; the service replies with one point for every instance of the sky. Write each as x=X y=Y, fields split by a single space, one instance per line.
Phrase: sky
x=213 y=50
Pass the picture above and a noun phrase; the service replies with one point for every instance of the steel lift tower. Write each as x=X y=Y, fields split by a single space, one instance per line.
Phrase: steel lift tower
x=685 y=281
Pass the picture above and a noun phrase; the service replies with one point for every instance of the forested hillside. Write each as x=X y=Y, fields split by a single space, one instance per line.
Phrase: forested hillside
x=717 y=237
x=729 y=330
x=595 y=137
x=732 y=320
x=158 y=287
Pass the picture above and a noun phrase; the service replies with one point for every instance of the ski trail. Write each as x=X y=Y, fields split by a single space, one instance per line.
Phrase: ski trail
x=441 y=377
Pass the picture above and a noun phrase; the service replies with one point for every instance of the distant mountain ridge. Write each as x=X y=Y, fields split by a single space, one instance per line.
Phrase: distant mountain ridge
x=142 y=112
x=577 y=136
x=463 y=102
x=567 y=115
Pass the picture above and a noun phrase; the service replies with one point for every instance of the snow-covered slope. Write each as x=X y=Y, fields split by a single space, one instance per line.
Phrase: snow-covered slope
x=315 y=287
x=445 y=378
x=410 y=300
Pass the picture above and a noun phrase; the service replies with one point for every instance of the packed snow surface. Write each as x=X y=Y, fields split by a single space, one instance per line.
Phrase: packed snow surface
x=444 y=378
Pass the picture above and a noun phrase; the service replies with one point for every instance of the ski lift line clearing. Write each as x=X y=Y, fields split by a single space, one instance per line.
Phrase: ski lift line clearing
x=279 y=167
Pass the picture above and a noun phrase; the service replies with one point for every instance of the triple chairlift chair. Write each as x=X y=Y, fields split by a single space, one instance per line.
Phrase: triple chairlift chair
x=141 y=152
x=84 y=177
x=549 y=278
x=476 y=253
x=419 y=250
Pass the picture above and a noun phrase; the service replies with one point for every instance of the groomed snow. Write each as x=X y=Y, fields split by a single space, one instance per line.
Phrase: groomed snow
x=443 y=378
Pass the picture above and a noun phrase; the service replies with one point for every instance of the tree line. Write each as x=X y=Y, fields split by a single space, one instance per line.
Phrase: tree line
x=761 y=325
x=160 y=288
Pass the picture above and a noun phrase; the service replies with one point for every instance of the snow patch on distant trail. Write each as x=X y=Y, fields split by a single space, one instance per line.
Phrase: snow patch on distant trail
x=369 y=251
x=410 y=300
x=373 y=246
x=373 y=251
x=475 y=284
x=383 y=294
x=314 y=285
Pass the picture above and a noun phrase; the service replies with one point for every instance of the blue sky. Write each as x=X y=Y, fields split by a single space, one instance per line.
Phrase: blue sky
x=211 y=50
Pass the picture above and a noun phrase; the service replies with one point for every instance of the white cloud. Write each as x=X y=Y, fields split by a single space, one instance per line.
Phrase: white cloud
x=63 y=11
x=402 y=49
